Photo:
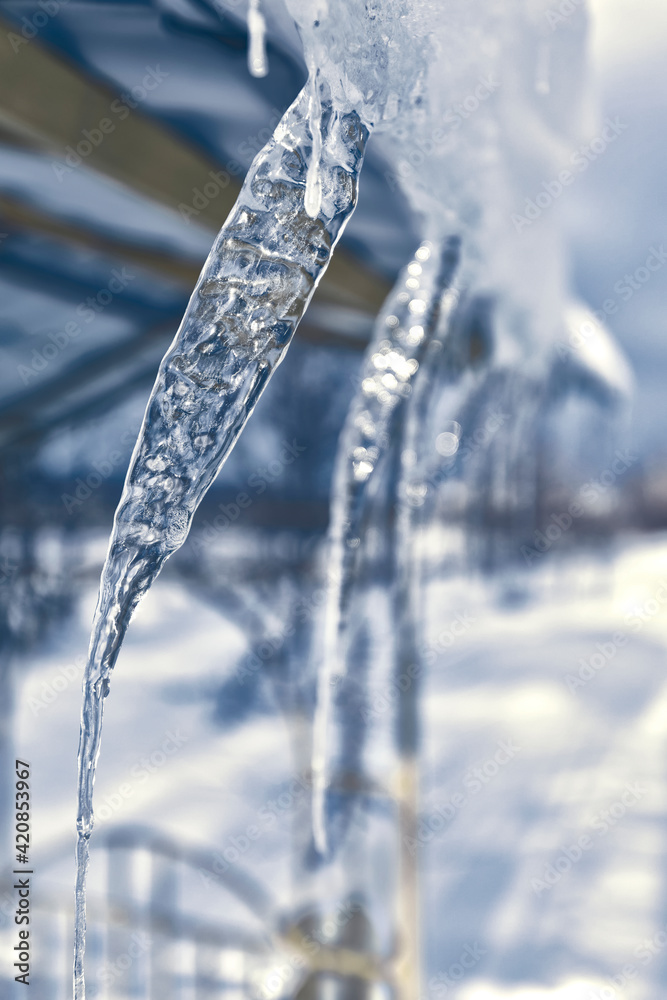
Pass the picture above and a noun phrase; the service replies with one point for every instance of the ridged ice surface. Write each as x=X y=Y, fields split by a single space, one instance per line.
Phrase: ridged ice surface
x=401 y=335
x=251 y=294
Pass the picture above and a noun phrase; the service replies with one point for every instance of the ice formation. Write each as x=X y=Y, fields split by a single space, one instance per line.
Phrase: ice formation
x=252 y=292
x=402 y=333
x=476 y=103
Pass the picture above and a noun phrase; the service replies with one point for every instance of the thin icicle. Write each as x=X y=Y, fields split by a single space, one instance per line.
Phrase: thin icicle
x=402 y=333
x=412 y=491
x=251 y=294
x=313 y=199
x=257 y=62
x=413 y=446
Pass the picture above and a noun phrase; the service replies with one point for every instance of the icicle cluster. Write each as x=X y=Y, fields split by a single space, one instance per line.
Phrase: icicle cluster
x=476 y=100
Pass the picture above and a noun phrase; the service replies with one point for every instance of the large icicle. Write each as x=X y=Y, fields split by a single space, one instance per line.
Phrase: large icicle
x=411 y=489
x=402 y=333
x=252 y=292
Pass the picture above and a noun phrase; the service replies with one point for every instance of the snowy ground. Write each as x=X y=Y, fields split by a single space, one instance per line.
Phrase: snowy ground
x=542 y=838
x=554 y=862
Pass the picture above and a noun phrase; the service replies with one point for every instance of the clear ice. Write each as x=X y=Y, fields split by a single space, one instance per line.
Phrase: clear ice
x=252 y=292
x=473 y=103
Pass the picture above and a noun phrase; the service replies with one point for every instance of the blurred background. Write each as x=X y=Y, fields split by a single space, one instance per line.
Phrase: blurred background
x=126 y=128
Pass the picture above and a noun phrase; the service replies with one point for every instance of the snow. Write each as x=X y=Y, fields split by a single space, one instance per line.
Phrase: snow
x=504 y=680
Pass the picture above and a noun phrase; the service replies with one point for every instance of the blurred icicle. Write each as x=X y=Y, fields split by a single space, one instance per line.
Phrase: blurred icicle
x=402 y=333
x=408 y=602
x=411 y=492
x=250 y=296
x=257 y=61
